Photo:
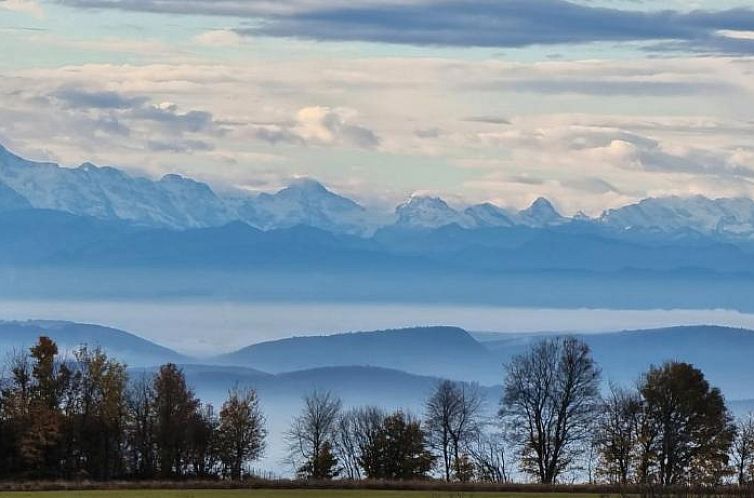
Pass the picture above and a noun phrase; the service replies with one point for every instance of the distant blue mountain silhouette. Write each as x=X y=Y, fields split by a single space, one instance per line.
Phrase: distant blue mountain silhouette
x=378 y=360
x=724 y=354
x=56 y=239
x=17 y=336
x=432 y=351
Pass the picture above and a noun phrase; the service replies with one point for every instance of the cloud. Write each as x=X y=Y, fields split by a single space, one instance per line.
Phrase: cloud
x=119 y=108
x=488 y=120
x=95 y=120
x=183 y=146
x=481 y=23
x=319 y=125
x=599 y=146
x=591 y=184
x=216 y=121
x=611 y=87
x=30 y=7
x=506 y=23
x=234 y=8
x=650 y=156
x=428 y=132
x=219 y=38
x=78 y=98
x=173 y=120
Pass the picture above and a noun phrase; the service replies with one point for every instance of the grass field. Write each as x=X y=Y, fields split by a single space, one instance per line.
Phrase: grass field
x=278 y=493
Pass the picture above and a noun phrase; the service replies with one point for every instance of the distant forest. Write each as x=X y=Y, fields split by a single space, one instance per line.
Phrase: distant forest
x=83 y=418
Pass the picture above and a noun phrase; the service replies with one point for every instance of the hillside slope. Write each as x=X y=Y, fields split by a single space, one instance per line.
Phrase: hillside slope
x=724 y=354
x=121 y=345
x=436 y=351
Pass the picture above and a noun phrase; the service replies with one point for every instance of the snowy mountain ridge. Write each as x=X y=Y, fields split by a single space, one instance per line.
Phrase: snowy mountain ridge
x=177 y=202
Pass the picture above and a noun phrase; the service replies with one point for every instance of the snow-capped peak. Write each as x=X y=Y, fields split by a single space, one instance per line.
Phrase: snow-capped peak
x=309 y=185
x=489 y=215
x=306 y=202
x=699 y=213
x=422 y=211
x=540 y=213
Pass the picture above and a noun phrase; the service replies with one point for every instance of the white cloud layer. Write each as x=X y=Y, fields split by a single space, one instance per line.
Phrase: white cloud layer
x=589 y=134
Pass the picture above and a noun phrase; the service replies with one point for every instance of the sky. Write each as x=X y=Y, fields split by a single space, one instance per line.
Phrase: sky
x=592 y=104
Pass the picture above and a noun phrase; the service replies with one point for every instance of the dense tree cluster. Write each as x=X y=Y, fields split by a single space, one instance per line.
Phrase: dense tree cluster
x=82 y=417
x=325 y=441
x=674 y=429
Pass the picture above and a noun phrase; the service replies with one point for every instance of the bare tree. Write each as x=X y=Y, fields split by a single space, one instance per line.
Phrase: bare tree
x=440 y=409
x=452 y=422
x=310 y=437
x=488 y=454
x=743 y=449
x=550 y=396
x=346 y=447
x=617 y=434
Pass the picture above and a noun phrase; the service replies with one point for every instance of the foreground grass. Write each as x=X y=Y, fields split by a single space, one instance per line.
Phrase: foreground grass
x=273 y=493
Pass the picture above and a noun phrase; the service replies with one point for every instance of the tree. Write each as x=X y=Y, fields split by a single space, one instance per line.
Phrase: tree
x=39 y=443
x=95 y=412
x=440 y=410
x=241 y=432
x=310 y=437
x=322 y=466
x=617 y=434
x=743 y=449
x=452 y=422
x=399 y=451
x=175 y=407
x=16 y=400
x=140 y=428
x=488 y=455
x=356 y=435
x=693 y=428
x=202 y=435
x=550 y=397
x=346 y=446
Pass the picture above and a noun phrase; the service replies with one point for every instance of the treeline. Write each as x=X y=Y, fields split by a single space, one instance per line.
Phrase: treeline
x=83 y=418
x=553 y=426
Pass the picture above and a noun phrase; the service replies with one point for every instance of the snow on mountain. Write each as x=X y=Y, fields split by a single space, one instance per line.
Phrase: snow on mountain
x=182 y=203
x=108 y=193
x=305 y=202
x=429 y=212
x=489 y=215
x=734 y=216
x=173 y=201
x=540 y=214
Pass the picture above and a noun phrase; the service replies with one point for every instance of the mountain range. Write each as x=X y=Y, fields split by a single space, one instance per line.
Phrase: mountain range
x=179 y=203
x=96 y=232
